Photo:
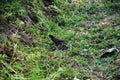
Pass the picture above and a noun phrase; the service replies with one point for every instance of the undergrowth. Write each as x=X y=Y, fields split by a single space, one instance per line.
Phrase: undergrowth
x=91 y=31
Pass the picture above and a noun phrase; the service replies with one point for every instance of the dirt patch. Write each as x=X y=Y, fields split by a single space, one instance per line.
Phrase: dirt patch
x=30 y=17
x=8 y=43
x=13 y=32
x=108 y=20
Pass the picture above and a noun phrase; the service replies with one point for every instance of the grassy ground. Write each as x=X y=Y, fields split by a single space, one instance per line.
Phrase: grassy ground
x=91 y=30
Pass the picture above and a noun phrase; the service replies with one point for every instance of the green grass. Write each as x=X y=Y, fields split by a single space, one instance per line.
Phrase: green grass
x=79 y=25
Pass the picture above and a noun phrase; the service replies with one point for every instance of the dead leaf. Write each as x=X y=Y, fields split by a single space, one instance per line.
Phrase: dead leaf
x=75 y=78
x=25 y=38
x=28 y=20
x=108 y=52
